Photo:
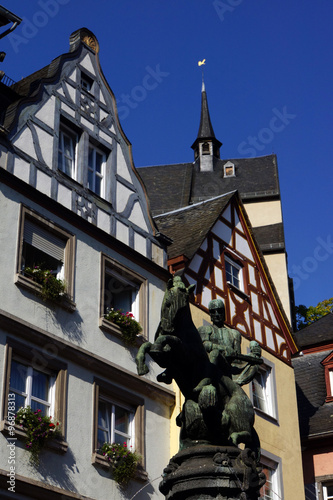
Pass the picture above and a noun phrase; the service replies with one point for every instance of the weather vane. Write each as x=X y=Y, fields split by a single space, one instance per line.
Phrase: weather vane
x=202 y=63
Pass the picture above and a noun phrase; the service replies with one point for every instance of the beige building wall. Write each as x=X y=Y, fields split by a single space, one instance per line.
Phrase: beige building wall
x=277 y=265
x=281 y=438
x=264 y=213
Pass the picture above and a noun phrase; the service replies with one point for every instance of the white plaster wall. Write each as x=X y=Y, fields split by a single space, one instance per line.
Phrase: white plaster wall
x=122 y=167
x=46 y=112
x=25 y=143
x=137 y=217
x=46 y=145
x=21 y=169
x=123 y=193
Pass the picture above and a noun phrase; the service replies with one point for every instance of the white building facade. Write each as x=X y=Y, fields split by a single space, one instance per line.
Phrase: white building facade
x=72 y=205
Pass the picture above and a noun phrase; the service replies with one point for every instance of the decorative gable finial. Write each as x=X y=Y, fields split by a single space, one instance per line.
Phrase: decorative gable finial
x=83 y=35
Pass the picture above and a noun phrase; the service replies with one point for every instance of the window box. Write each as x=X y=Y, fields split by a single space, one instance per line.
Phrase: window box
x=48 y=249
x=58 y=444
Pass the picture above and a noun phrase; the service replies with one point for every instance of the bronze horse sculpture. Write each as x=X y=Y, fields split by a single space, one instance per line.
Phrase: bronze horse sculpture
x=216 y=409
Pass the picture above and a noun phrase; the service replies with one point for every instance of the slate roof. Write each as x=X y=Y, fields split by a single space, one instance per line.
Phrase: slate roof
x=172 y=186
x=315 y=415
x=318 y=333
x=270 y=237
x=188 y=226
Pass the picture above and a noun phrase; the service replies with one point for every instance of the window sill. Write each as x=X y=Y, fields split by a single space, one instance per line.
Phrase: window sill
x=266 y=416
x=57 y=444
x=101 y=461
x=239 y=292
x=114 y=329
x=27 y=283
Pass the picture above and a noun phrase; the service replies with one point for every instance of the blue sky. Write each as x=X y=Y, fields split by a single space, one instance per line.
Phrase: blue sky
x=263 y=59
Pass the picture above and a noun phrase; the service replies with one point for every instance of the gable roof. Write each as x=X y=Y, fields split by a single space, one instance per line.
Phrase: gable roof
x=254 y=178
x=317 y=334
x=188 y=226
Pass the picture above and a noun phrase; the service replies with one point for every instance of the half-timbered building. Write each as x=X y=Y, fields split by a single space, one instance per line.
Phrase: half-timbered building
x=75 y=214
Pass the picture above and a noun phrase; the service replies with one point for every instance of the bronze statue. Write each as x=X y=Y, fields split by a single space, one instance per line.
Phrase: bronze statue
x=204 y=363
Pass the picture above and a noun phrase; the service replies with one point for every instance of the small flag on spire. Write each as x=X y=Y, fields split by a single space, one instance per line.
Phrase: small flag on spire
x=201 y=63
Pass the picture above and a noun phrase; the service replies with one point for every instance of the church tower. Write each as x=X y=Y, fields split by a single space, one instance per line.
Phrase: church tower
x=206 y=147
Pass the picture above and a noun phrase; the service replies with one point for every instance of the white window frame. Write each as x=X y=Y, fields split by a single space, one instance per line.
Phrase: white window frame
x=61 y=150
x=27 y=394
x=92 y=169
x=239 y=269
x=330 y=374
x=110 y=428
x=115 y=269
x=276 y=486
x=226 y=168
x=267 y=385
x=325 y=495
x=135 y=309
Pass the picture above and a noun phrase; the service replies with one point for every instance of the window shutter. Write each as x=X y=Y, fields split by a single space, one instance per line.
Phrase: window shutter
x=44 y=240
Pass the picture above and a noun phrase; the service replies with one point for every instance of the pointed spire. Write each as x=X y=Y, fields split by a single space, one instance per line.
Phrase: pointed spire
x=206 y=143
x=205 y=128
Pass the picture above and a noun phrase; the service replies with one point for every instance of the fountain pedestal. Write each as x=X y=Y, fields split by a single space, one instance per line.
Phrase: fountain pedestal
x=207 y=472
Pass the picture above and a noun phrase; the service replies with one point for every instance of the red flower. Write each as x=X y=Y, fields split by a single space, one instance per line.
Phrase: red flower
x=51 y=425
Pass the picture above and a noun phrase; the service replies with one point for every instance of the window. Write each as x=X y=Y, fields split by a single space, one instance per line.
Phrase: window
x=233 y=273
x=271 y=489
x=36 y=379
x=263 y=390
x=86 y=82
x=32 y=388
x=67 y=152
x=328 y=366
x=46 y=246
x=115 y=424
x=118 y=417
x=96 y=165
x=229 y=169
x=123 y=289
x=328 y=492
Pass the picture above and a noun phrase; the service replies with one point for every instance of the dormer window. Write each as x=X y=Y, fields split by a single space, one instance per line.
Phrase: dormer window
x=86 y=82
x=229 y=169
